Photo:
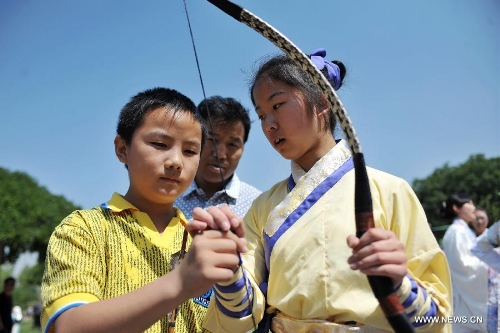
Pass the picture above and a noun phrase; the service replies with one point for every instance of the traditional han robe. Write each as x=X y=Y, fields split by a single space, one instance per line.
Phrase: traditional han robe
x=297 y=266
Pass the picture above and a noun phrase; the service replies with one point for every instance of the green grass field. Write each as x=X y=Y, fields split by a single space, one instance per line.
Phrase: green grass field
x=27 y=327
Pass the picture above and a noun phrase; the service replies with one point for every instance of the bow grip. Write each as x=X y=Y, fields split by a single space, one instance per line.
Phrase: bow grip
x=363 y=206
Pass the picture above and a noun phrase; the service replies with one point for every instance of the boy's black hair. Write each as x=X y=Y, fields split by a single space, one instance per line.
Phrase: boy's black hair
x=133 y=113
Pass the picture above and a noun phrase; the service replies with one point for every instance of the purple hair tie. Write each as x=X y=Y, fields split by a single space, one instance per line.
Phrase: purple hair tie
x=318 y=58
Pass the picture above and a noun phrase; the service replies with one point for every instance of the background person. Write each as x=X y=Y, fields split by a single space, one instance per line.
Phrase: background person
x=487 y=249
x=487 y=246
x=481 y=222
x=469 y=275
x=6 y=305
x=219 y=159
x=17 y=316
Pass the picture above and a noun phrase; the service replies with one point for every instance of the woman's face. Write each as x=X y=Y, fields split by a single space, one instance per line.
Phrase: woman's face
x=466 y=212
x=480 y=222
x=288 y=123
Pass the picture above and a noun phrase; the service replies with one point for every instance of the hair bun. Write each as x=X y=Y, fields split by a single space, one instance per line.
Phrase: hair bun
x=331 y=70
x=343 y=69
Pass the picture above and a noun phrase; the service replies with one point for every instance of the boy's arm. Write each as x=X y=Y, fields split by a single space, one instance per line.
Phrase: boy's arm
x=132 y=312
x=212 y=257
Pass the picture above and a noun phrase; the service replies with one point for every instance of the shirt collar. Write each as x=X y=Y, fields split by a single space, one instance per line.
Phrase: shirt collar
x=192 y=188
x=461 y=221
x=118 y=203
x=339 y=152
x=232 y=188
x=466 y=226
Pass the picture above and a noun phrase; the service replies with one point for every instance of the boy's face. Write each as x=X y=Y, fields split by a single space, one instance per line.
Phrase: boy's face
x=162 y=157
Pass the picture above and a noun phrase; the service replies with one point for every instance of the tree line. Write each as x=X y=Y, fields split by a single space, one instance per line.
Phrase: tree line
x=479 y=177
x=28 y=215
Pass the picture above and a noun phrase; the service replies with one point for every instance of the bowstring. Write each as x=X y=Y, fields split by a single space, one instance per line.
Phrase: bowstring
x=210 y=124
x=211 y=128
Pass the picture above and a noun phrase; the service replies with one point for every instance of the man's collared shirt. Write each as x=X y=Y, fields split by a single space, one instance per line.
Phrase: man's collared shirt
x=238 y=195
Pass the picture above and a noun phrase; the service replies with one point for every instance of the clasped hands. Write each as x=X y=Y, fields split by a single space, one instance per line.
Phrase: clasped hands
x=214 y=255
x=219 y=237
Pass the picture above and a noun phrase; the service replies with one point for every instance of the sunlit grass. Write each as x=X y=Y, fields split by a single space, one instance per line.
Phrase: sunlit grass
x=27 y=326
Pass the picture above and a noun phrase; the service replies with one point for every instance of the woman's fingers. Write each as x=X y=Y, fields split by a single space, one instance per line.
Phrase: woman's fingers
x=378 y=252
x=235 y=221
x=215 y=220
x=219 y=218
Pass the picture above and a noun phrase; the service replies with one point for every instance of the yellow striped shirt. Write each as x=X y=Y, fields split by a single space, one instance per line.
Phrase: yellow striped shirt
x=108 y=251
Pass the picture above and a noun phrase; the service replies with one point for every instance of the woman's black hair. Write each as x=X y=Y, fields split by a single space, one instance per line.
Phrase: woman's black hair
x=284 y=69
x=455 y=199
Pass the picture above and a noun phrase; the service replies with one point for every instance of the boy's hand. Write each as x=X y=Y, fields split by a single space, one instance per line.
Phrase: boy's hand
x=378 y=252
x=218 y=218
x=213 y=257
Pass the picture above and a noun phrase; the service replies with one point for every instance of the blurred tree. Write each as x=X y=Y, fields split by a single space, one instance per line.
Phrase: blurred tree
x=5 y=271
x=479 y=177
x=27 y=290
x=28 y=215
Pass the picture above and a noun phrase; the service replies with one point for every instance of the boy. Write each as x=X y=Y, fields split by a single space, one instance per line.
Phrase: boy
x=118 y=267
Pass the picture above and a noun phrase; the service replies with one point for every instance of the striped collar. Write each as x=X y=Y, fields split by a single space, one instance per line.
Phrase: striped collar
x=118 y=203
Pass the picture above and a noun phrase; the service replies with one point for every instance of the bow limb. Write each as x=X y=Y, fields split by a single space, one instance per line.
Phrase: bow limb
x=381 y=285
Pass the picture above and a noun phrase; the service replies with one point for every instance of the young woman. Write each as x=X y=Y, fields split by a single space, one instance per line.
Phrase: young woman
x=487 y=248
x=304 y=265
x=469 y=274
